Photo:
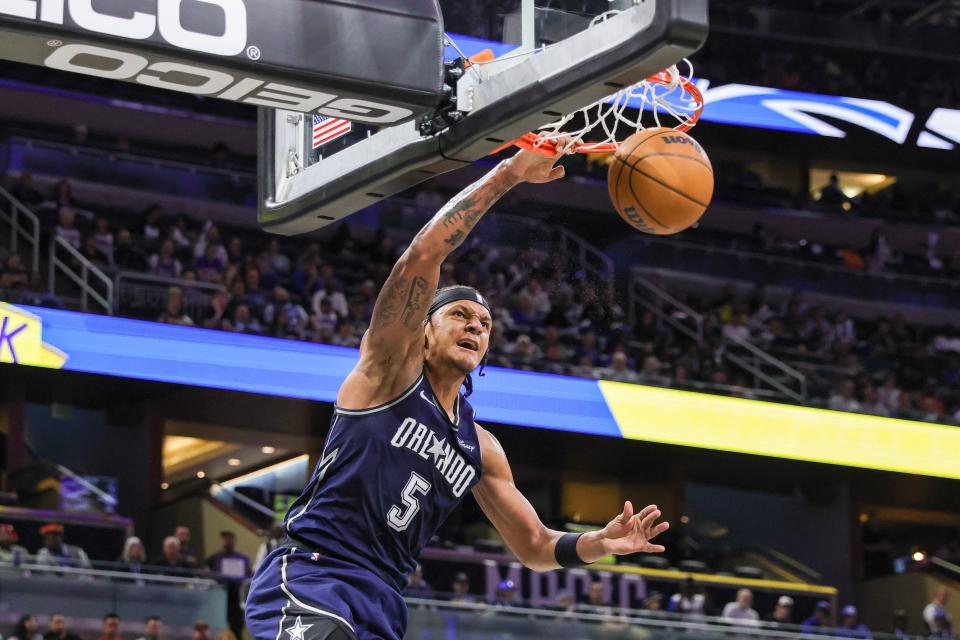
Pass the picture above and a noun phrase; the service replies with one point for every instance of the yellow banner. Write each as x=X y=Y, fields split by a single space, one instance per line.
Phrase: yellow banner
x=21 y=340
x=783 y=431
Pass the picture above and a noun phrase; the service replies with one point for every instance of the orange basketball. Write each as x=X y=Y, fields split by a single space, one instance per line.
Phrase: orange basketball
x=661 y=181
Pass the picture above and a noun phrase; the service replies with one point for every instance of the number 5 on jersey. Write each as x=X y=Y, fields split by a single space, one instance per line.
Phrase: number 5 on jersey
x=400 y=518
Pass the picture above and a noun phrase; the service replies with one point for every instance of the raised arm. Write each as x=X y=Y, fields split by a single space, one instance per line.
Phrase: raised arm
x=531 y=541
x=391 y=352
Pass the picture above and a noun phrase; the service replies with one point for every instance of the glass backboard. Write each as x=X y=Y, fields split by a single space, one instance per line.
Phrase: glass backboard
x=534 y=60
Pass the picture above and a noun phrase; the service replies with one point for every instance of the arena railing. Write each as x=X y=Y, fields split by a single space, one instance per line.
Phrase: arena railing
x=766 y=369
x=482 y=621
x=145 y=290
x=88 y=273
x=18 y=229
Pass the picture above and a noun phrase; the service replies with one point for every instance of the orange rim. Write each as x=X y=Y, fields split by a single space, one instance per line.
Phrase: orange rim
x=533 y=142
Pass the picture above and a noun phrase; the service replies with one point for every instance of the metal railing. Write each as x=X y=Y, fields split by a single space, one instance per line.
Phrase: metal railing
x=664 y=307
x=217 y=490
x=429 y=618
x=88 y=274
x=765 y=368
x=144 y=290
x=29 y=569
x=17 y=228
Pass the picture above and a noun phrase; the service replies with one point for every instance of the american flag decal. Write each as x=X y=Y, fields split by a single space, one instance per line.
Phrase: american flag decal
x=329 y=129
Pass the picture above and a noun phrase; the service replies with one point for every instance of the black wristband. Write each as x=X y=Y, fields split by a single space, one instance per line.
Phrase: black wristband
x=566 y=551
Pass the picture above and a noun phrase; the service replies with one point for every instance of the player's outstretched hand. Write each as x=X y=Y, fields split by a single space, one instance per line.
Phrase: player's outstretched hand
x=529 y=166
x=632 y=532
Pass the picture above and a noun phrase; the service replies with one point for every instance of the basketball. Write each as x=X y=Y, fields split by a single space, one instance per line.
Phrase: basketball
x=660 y=181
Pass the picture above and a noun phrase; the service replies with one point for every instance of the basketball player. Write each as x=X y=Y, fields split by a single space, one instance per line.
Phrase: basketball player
x=403 y=450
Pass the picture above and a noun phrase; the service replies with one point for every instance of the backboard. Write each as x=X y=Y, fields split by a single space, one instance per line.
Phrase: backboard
x=550 y=57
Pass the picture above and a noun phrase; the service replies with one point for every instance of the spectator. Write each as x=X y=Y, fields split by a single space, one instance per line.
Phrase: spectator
x=10 y=551
x=201 y=631
x=325 y=317
x=127 y=257
x=506 y=595
x=418 y=587
x=618 y=370
x=25 y=191
x=209 y=266
x=653 y=602
x=233 y=568
x=151 y=628
x=210 y=236
x=741 y=610
x=91 y=251
x=63 y=195
x=174 y=313
x=737 y=329
x=819 y=621
x=277 y=260
x=27 y=628
x=831 y=196
x=935 y=606
x=103 y=237
x=597 y=601
x=165 y=264
x=111 y=627
x=152 y=222
x=134 y=554
x=460 y=587
x=844 y=400
x=294 y=317
x=182 y=533
x=56 y=553
x=66 y=228
x=244 y=322
x=872 y=404
x=346 y=336
x=688 y=601
x=271 y=541
x=849 y=627
x=942 y=629
x=172 y=562
x=783 y=612
x=330 y=291
x=14 y=275
x=57 y=629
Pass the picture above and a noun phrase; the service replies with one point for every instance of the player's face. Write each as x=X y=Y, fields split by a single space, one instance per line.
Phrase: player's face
x=460 y=333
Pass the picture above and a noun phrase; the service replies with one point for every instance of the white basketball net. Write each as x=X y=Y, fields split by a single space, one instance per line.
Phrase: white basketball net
x=667 y=99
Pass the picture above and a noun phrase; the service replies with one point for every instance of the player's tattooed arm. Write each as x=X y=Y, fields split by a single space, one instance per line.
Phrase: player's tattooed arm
x=391 y=352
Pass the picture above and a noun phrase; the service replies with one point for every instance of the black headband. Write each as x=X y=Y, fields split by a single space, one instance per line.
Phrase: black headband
x=453 y=294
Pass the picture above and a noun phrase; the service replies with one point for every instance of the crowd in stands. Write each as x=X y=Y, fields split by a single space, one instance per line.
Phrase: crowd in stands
x=176 y=558
x=547 y=316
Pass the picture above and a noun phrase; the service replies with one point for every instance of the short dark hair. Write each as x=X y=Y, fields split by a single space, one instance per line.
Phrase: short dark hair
x=152 y=618
x=110 y=615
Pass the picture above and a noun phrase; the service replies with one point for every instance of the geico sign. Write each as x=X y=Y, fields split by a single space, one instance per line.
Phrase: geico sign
x=177 y=76
x=141 y=26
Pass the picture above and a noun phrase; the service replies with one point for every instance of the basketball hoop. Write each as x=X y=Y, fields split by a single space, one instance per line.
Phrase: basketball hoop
x=668 y=96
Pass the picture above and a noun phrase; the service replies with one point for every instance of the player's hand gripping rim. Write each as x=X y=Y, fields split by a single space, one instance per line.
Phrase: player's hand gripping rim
x=537 y=167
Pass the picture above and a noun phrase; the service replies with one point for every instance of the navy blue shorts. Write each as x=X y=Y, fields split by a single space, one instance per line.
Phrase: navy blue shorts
x=299 y=595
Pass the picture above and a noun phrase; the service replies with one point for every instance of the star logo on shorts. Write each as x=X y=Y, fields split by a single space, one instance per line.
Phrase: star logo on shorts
x=298 y=629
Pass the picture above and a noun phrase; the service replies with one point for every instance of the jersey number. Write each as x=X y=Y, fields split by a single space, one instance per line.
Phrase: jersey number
x=400 y=518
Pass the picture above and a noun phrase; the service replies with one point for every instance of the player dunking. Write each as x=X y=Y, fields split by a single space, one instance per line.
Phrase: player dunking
x=403 y=450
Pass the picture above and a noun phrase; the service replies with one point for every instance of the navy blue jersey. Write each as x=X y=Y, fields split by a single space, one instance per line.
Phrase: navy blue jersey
x=388 y=478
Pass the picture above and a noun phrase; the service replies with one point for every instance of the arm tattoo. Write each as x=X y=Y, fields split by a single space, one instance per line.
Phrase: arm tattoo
x=456 y=239
x=416 y=301
x=390 y=303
